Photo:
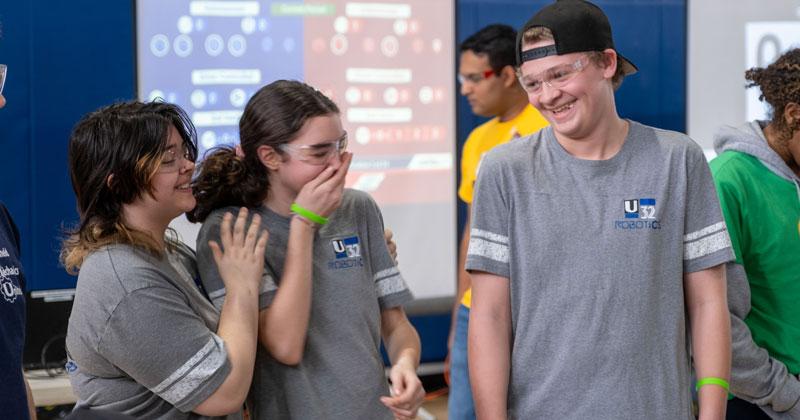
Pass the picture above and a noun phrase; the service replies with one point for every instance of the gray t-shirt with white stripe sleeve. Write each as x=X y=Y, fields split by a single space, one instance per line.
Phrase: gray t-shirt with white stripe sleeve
x=141 y=338
x=354 y=278
x=596 y=252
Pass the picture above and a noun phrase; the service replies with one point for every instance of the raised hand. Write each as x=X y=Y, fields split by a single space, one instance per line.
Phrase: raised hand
x=242 y=262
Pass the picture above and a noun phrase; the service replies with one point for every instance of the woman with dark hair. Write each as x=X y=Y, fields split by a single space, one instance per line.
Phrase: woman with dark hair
x=330 y=288
x=143 y=338
x=757 y=174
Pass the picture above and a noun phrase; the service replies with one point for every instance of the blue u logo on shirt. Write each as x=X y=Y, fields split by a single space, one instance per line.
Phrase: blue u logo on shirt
x=643 y=208
x=346 y=248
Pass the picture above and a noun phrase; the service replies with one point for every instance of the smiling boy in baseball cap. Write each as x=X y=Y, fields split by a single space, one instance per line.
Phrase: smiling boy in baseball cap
x=594 y=244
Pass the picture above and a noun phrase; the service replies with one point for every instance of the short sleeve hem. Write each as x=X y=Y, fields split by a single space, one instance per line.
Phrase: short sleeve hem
x=396 y=299
x=712 y=260
x=478 y=263
x=205 y=389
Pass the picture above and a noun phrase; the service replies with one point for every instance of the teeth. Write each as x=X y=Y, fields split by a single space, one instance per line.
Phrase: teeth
x=563 y=108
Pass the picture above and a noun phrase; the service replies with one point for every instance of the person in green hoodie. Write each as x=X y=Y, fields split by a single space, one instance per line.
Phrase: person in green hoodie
x=757 y=174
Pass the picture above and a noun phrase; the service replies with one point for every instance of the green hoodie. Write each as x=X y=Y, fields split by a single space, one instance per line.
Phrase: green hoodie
x=760 y=199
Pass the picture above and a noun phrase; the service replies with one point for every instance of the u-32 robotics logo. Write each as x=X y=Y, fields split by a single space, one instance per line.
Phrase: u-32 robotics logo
x=639 y=214
x=347 y=252
x=643 y=208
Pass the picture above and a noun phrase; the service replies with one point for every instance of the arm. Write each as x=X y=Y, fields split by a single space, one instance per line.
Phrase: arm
x=160 y=341
x=283 y=325
x=755 y=375
x=490 y=344
x=710 y=328
x=403 y=346
x=388 y=235
x=240 y=266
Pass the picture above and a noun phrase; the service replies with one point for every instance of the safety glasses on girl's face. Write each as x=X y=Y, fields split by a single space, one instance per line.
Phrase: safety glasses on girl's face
x=556 y=77
x=173 y=159
x=316 y=154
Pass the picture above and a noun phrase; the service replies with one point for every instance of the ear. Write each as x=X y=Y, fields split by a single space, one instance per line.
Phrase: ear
x=109 y=181
x=791 y=114
x=269 y=157
x=509 y=76
x=611 y=62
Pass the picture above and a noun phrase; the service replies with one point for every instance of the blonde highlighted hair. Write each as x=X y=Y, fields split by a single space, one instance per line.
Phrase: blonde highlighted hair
x=113 y=154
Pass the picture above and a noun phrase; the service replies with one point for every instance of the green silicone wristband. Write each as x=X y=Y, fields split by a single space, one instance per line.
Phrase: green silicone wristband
x=308 y=214
x=712 y=381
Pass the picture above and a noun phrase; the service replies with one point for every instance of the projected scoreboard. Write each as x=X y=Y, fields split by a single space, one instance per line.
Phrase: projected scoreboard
x=388 y=65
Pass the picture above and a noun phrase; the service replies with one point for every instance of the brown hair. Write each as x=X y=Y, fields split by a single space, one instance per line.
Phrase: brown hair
x=113 y=155
x=272 y=117
x=540 y=33
x=780 y=85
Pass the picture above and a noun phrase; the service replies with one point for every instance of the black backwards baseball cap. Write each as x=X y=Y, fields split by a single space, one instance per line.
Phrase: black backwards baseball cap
x=577 y=26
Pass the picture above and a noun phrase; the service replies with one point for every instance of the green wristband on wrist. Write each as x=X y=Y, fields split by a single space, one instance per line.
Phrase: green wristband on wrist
x=308 y=214
x=712 y=381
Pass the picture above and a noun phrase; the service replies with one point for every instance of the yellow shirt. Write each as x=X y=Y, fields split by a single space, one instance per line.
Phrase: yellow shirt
x=482 y=139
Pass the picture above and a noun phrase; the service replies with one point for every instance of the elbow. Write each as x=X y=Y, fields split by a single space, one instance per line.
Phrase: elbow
x=218 y=407
x=286 y=352
x=289 y=361
x=229 y=407
x=287 y=355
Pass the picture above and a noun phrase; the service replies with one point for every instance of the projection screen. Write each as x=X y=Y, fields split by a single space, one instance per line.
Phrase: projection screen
x=388 y=65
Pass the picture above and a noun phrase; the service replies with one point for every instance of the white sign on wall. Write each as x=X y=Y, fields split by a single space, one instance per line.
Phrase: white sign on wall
x=764 y=43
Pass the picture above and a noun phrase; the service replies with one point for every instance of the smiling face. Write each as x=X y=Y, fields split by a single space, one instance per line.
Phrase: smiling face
x=575 y=109
x=171 y=193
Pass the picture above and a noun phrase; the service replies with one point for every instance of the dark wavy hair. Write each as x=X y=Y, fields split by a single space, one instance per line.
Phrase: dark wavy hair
x=780 y=85
x=114 y=153
x=272 y=117
x=497 y=42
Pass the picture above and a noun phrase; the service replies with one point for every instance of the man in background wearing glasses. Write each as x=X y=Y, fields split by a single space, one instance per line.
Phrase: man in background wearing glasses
x=487 y=78
x=595 y=243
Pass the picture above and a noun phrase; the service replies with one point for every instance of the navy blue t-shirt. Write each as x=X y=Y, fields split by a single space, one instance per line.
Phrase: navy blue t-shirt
x=13 y=397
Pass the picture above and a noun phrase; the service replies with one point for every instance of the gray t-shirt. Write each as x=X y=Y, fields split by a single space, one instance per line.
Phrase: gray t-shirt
x=596 y=252
x=141 y=335
x=341 y=375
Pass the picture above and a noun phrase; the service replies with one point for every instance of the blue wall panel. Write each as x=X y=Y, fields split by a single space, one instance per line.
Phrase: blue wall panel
x=65 y=59
x=15 y=136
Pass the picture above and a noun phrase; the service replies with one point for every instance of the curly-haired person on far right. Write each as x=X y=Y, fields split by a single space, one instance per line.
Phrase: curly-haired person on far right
x=757 y=174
